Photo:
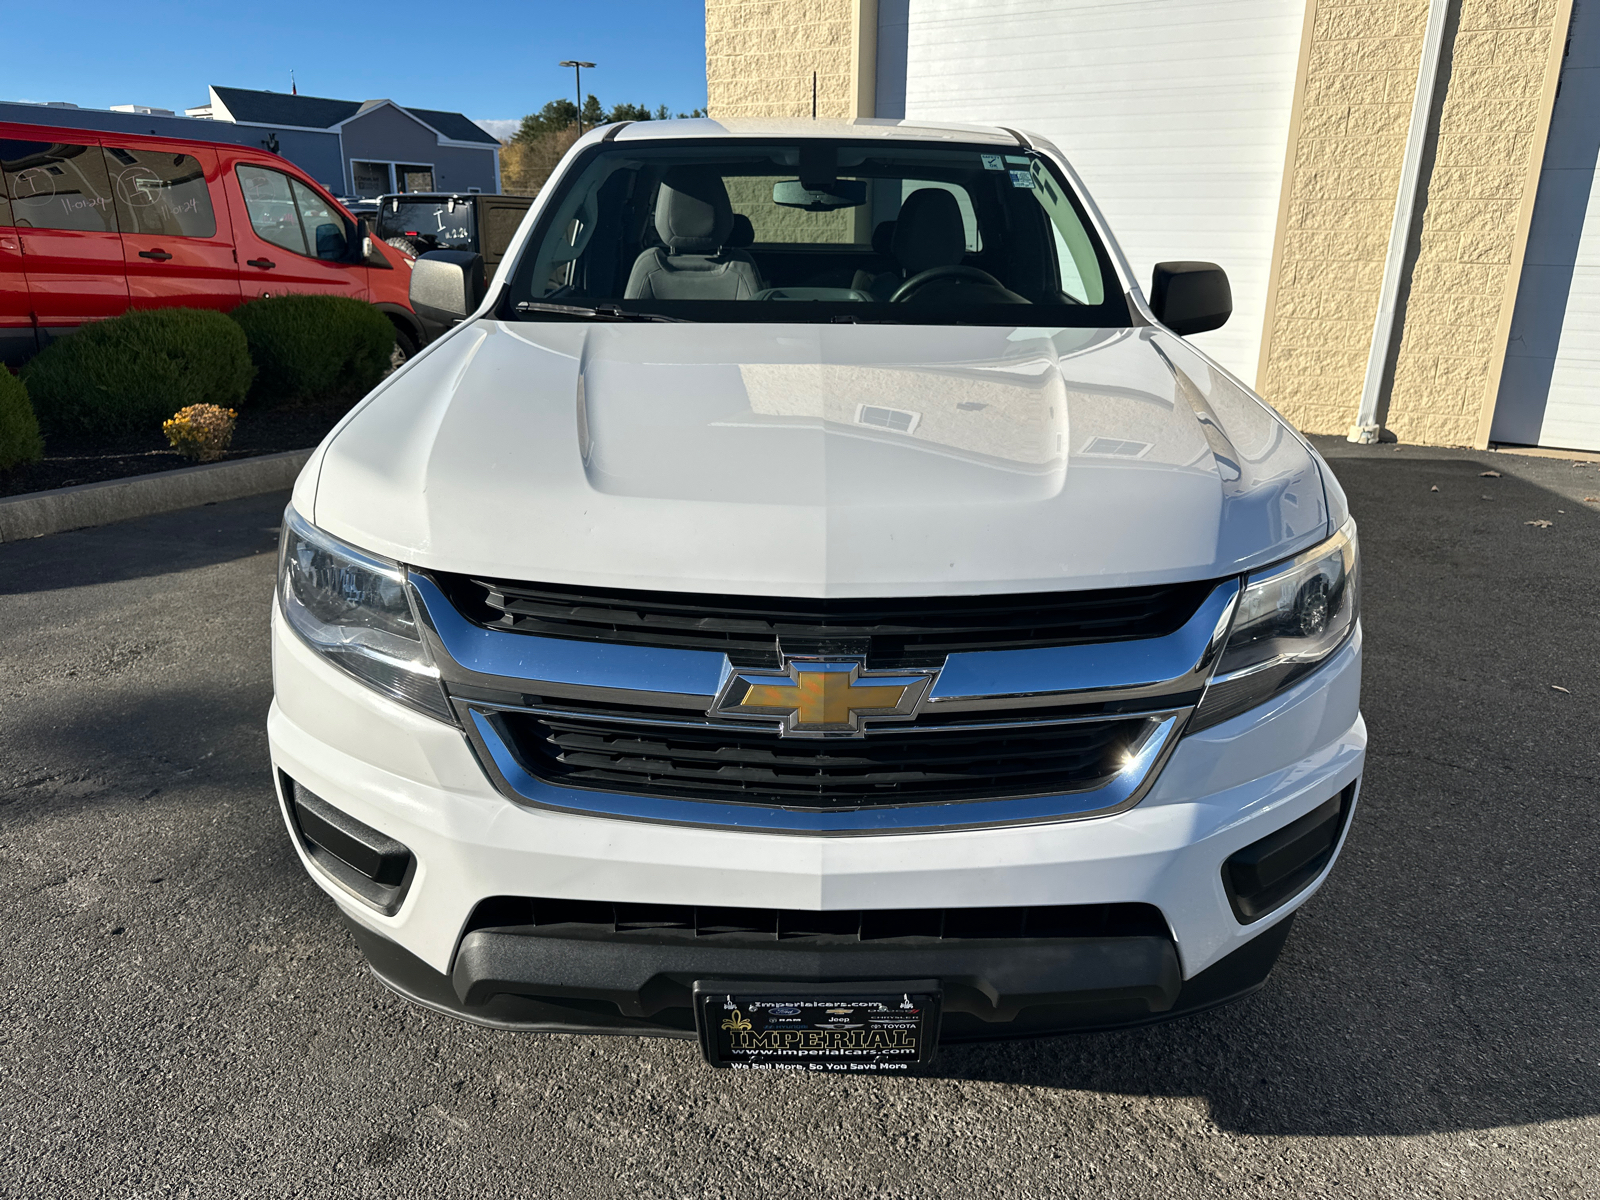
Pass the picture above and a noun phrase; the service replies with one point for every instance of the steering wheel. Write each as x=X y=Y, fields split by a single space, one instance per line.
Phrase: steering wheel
x=922 y=279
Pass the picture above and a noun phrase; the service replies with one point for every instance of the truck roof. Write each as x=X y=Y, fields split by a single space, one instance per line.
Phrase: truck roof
x=861 y=127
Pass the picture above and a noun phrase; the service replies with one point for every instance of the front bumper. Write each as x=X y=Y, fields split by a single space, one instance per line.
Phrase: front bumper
x=417 y=781
x=1089 y=985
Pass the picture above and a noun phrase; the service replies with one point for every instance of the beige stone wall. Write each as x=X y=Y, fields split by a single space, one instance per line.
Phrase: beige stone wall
x=1344 y=173
x=760 y=55
x=1491 y=124
x=1345 y=157
x=752 y=196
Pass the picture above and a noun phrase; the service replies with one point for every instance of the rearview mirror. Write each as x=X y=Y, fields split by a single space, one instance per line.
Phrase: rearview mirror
x=841 y=193
x=446 y=285
x=1190 y=297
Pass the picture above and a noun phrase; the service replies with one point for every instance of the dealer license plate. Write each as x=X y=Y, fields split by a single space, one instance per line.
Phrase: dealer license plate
x=845 y=1028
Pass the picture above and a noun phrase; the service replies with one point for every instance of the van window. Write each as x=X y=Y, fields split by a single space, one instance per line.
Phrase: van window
x=161 y=193
x=58 y=186
x=287 y=213
x=324 y=228
x=271 y=207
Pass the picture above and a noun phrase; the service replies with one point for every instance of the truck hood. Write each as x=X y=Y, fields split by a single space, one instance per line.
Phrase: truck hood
x=818 y=460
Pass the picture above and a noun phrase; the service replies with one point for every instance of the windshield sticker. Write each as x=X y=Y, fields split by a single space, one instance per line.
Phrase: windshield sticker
x=1021 y=179
x=991 y=162
x=1018 y=160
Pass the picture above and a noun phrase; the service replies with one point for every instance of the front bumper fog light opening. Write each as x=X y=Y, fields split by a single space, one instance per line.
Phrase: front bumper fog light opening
x=1267 y=874
x=370 y=865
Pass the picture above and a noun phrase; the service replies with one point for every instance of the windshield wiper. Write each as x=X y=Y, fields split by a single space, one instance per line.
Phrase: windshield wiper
x=606 y=312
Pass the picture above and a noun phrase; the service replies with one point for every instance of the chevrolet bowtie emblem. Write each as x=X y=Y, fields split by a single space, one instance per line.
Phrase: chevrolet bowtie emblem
x=822 y=697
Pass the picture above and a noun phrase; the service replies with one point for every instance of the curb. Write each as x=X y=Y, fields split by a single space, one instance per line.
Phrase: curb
x=39 y=513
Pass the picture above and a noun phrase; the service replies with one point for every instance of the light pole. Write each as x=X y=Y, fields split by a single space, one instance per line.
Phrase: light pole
x=577 y=72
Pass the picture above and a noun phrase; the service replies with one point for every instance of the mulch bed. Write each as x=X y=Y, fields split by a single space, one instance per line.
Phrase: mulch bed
x=66 y=462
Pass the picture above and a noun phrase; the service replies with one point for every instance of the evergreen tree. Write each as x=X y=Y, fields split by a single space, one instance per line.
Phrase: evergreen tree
x=559 y=116
x=631 y=112
x=552 y=118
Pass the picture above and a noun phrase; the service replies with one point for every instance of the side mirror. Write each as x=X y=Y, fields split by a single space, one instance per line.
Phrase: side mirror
x=333 y=242
x=363 y=241
x=1190 y=297
x=446 y=285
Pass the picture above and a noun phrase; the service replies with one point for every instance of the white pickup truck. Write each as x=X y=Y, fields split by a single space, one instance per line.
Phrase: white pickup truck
x=812 y=601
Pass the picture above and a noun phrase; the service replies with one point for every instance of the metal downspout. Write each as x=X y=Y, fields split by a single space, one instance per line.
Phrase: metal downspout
x=1366 y=427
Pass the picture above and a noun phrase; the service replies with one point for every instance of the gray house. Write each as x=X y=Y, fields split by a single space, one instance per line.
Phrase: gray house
x=364 y=147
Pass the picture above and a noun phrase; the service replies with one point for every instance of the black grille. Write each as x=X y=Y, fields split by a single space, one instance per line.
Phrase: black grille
x=893 y=632
x=600 y=920
x=756 y=766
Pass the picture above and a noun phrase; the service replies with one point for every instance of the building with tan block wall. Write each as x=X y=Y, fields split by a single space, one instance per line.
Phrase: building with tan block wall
x=1365 y=170
x=762 y=57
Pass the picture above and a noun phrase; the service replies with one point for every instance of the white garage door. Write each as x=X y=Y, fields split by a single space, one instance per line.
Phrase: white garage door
x=1176 y=113
x=1550 y=390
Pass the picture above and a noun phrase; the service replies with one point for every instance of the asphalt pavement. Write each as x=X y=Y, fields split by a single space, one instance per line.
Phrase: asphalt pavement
x=182 y=1013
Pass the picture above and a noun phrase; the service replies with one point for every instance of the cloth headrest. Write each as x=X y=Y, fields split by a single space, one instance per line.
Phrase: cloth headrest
x=693 y=215
x=742 y=234
x=882 y=237
x=929 y=233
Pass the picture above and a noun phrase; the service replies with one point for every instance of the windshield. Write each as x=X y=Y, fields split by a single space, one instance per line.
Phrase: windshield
x=816 y=230
x=433 y=224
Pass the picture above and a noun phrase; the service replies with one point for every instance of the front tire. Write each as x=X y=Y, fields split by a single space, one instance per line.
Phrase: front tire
x=405 y=347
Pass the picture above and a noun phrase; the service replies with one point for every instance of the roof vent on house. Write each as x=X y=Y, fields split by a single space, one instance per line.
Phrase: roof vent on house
x=59 y=104
x=143 y=108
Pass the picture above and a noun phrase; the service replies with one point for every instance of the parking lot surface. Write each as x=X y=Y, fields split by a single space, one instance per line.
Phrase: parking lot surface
x=182 y=1013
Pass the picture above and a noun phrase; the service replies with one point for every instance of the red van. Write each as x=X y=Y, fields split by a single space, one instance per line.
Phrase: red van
x=95 y=223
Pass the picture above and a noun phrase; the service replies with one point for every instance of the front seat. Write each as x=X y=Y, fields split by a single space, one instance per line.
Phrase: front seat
x=742 y=234
x=881 y=286
x=694 y=261
x=928 y=233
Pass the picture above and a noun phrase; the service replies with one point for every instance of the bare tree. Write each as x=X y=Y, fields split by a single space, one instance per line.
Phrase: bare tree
x=526 y=164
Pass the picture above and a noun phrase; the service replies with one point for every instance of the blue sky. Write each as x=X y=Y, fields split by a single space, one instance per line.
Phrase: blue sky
x=490 y=59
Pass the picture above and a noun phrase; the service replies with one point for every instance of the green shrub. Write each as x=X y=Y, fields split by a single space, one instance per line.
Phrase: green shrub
x=20 y=442
x=315 y=349
x=128 y=374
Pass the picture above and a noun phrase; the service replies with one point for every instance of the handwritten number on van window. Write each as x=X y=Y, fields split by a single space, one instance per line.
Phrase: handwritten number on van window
x=162 y=195
x=58 y=186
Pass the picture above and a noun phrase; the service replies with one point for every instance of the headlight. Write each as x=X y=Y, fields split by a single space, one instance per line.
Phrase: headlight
x=355 y=610
x=1290 y=618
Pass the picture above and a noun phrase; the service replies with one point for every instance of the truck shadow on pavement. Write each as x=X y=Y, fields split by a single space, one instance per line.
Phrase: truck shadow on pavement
x=1446 y=976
